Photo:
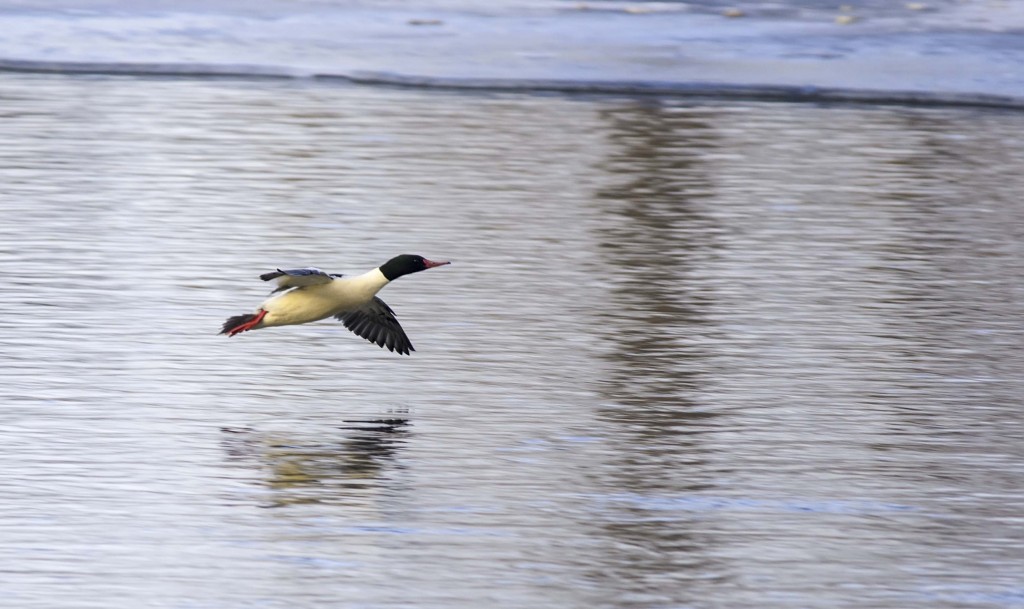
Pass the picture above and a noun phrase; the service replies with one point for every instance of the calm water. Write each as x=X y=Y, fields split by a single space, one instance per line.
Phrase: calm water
x=687 y=356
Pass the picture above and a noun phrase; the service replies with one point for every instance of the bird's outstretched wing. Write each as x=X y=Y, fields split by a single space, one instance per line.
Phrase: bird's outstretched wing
x=375 y=321
x=298 y=278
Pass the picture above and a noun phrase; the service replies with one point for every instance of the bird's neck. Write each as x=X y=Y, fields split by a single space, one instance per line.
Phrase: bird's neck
x=370 y=282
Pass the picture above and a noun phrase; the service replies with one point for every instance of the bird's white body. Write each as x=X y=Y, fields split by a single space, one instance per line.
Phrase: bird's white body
x=316 y=302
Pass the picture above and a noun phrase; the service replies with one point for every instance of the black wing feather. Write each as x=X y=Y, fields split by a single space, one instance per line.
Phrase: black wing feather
x=376 y=322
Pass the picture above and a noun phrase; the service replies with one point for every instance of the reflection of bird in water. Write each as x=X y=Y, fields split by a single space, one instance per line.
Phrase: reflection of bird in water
x=325 y=472
x=311 y=295
x=374 y=444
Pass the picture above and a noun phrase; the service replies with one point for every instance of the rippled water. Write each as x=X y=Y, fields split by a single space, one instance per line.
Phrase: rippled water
x=687 y=356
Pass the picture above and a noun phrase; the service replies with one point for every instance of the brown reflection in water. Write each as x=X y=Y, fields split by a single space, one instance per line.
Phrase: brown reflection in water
x=957 y=251
x=654 y=236
x=347 y=471
x=951 y=310
x=945 y=272
x=654 y=239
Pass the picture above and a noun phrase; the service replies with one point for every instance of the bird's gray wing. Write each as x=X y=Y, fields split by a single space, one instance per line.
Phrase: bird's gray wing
x=298 y=278
x=376 y=322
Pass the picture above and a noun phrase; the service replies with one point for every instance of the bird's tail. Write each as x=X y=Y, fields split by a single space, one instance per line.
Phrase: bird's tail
x=241 y=323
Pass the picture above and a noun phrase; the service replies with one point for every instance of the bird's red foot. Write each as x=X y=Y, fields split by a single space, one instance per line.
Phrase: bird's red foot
x=248 y=324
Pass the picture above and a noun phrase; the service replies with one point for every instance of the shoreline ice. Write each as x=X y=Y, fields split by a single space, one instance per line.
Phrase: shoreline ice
x=954 y=54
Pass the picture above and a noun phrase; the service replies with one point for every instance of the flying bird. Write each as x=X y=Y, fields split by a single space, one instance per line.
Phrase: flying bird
x=305 y=295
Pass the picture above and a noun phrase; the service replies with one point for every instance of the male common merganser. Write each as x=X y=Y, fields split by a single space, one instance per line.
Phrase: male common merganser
x=311 y=295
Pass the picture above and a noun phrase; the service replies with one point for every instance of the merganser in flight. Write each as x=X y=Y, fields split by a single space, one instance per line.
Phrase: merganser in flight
x=311 y=295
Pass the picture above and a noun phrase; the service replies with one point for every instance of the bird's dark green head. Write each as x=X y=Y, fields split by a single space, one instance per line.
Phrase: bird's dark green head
x=405 y=264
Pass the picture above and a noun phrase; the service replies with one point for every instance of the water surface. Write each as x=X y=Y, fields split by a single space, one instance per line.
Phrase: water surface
x=687 y=355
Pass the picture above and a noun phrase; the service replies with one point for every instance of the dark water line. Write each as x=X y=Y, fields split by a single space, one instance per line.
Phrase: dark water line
x=180 y=70
x=707 y=90
x=723 y=91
